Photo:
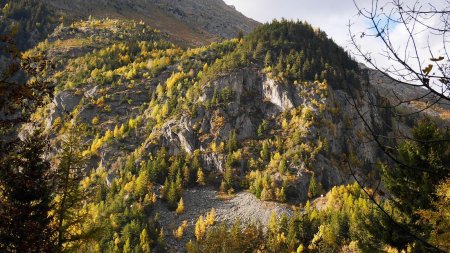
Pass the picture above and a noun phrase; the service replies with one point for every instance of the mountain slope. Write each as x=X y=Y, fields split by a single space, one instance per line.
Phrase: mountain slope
x=193 y=22
x=189 y=23
x=269 y=114
x=243 y=109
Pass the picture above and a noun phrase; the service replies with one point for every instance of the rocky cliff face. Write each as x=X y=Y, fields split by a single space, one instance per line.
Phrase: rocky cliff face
x=258 y=97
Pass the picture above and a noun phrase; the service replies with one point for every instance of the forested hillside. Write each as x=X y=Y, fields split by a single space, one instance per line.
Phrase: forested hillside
x=139 y=125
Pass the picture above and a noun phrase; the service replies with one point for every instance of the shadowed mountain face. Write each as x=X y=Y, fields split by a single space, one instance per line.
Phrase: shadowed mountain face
x=192 y=22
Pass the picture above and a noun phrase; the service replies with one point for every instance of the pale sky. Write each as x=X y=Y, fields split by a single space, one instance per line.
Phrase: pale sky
x=333 y=17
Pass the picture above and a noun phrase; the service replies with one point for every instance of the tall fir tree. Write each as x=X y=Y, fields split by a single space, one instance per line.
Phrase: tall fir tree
x=69 y=197
x=423 y=162
x=415 y=189
x=25 y=196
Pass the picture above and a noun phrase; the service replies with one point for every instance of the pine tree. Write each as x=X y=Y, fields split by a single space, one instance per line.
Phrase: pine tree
x=127 y=247
x=178 y=233
x=116 y=132
x=306 y=71
x=69 y=195
x=172 y=196
x=273 y=224
x=223 y=187
x=312 y=189
x=200 y=177
x=122 y=130
x=165 y=189
x=180 y=207
x=266 y=194
x=260 y=131
x=179 y=183
x=414 y=189
x=257 y=54
x=5 y=9
x=232 y=143
x=142 y=183
x=268 y=59
x=211 y=217
x=265 y=155
x=200 y=228
x=228 y=177
x=215 y=98
x=280 y=64
x=280 y=194
x=161 y=242
x=438 y=217
x=144 y=241
x=282 y=166
x=25 y=195
x=186 y=175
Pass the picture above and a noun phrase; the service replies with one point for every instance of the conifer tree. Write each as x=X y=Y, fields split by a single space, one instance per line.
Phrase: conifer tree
x=223 y=186
x=179 y=182
x=268 y=59
x=161 y=242
x=25 y=195
x=186 y=175
x=200 y=228
x=273 y=224
x=165 y=189
x=127 y=246
x=257 y=54
x=144 y=241
x=438 y=216
x=312 y=189
x=266 y=194
x=232 y=143
x=282 y=166
x=178 y=233
x=142 y=183
x=412 y=189
x=280 y=194
x=172 y=196
x=200 y=177
x=215 y=98
x=228 y=177
x=116 y=132
x=265 y=155
x=280 y=65
x=211 y=217
x=69 y=195
x=180 y=207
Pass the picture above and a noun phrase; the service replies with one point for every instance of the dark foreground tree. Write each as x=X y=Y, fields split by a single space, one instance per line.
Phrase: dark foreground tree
x=417 y=68
x=412 y=191
x=25 y=187
x=25 y=197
